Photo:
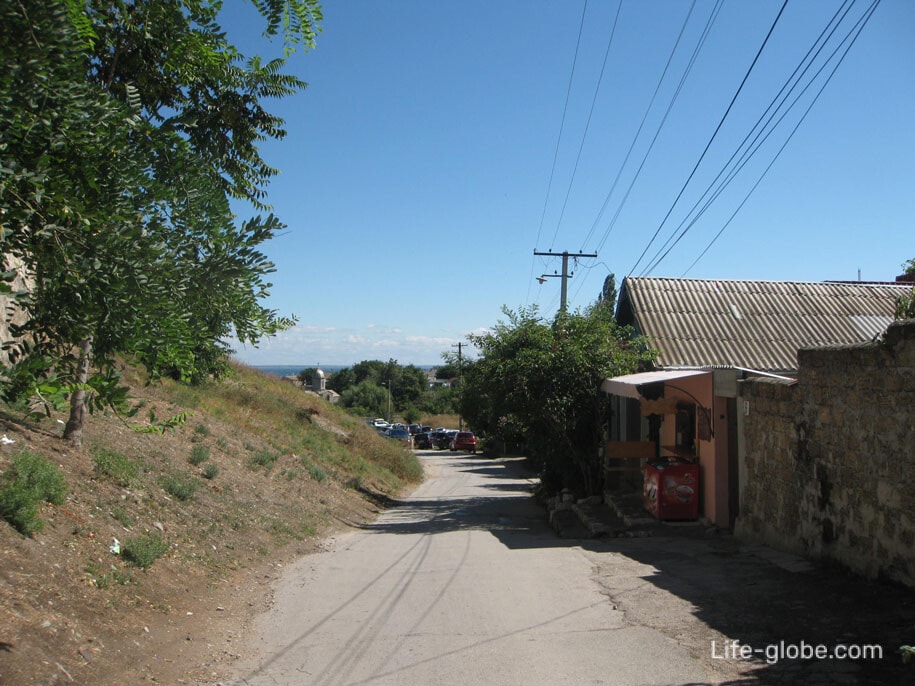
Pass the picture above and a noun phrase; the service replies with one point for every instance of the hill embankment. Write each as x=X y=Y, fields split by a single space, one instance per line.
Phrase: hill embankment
x=174 y=523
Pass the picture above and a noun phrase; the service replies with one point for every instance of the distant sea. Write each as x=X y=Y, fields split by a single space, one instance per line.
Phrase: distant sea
x=293 y=369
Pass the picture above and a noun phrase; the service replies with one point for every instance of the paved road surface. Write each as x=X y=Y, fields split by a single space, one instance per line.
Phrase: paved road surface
x=465 y=584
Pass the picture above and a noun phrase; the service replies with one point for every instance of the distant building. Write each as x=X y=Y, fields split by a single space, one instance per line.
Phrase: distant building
x=319 y=387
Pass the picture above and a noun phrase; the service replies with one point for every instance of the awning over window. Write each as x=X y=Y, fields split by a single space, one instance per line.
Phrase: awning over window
x=628 y=385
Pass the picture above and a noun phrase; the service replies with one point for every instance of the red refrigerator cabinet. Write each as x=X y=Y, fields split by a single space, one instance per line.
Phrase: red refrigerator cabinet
x=671 y=489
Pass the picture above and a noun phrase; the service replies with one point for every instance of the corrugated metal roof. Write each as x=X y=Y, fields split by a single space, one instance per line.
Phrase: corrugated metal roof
x=753 y=324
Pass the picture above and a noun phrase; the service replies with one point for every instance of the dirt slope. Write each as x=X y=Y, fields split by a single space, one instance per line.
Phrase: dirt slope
x=291 y=471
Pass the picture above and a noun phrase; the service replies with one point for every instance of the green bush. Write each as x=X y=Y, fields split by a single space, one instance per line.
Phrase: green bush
x=115 y=466
x=142 y=551
x=180 y=487
x=317 y=473
x=264 y=458
x=199 y=455
x=210 y=471
x=29 y=482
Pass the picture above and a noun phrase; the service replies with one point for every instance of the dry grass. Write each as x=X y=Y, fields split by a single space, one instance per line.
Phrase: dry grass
x=258 y=473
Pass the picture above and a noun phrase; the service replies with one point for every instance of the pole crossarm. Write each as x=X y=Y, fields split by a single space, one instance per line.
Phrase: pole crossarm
x=565 y=270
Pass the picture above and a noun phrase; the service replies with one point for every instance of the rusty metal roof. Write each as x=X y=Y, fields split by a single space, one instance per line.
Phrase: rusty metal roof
x=760 y=325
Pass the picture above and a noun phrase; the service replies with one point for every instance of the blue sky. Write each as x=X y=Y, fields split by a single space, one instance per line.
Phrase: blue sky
x=440 y=142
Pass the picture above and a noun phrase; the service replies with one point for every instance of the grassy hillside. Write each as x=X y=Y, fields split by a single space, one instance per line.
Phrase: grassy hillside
x=200 y=515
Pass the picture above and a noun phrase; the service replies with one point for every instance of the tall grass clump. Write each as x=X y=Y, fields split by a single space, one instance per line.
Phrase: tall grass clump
x=142 y=551
x=390 y=456
x=210 y=471
x=31 y=481
x=263 y=458
x=180 y=487
x=114 y=466
x=199 y=455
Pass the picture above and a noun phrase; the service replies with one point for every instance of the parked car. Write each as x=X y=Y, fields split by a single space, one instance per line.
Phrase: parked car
x=442 y=439
x=423 y=441
x=464 y=440
x=401 y=435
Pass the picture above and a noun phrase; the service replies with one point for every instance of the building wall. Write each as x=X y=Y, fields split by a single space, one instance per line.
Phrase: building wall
x=828 y=463
x=712 y=468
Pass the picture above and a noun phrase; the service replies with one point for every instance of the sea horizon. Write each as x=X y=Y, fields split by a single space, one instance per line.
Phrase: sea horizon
x=284 y=370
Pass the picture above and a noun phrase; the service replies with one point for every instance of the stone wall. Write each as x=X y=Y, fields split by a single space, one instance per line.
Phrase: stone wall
x=828 y=466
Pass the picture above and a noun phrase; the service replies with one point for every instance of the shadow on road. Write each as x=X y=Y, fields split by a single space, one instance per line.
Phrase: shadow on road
x=739 y=590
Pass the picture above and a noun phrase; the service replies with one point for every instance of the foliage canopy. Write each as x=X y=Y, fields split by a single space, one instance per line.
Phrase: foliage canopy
x=126 y=129
x=536 y=386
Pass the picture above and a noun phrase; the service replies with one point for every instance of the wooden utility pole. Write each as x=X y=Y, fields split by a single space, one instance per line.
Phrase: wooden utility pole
x=460 y=347
x=565 y=271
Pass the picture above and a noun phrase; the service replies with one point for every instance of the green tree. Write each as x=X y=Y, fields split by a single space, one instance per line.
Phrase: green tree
x=608 y=292
x=306 y=376
x=366 y=398
x=905 y=304
x=126 y=129
x=447 y=371
x=539 y=383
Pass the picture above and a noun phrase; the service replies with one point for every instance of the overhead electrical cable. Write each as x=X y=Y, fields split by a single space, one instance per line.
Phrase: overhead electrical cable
x=699 y=45
x=714 y=135
x=562 y=123
x=860 y=26
x=713 y=15
x=638 y=133
x=584 y=135
x=764 y=122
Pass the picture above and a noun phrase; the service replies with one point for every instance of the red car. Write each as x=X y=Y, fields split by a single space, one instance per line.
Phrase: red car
x=464 y=440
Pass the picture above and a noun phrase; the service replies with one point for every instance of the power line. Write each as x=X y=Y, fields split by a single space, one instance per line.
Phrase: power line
x=714 y=135
x=860 y=27
x=771 y=110
x=584 y=135
x=638 y=133
x=757 y=143
x=562 y=123
x=699 y=45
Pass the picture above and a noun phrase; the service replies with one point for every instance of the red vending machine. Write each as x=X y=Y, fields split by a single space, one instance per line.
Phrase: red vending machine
x=671 y=489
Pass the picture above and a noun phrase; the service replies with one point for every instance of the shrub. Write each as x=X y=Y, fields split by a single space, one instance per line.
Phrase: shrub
x=142 y=551
x=115 y=466
x=180 y=487
x=29 y=482
x=199 y=455
x=210 y=471
x=317 y=473
x=264 y=458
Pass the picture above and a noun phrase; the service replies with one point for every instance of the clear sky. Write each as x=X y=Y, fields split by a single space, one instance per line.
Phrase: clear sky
x=441 y=142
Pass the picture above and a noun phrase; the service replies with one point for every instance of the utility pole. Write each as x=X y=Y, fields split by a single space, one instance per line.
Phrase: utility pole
x=565 y=271
x=460 y=346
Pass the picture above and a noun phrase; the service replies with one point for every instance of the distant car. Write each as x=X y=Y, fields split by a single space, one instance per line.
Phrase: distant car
x=442 y=439
x=423 y=441
x=464 y=440
x=414 y=429
x=401 y=435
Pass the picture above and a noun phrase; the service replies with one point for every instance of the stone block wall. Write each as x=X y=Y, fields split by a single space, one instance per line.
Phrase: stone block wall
x=829 y=462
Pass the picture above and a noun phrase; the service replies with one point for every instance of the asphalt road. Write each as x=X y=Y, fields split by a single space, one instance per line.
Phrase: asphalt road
x=464 y=583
